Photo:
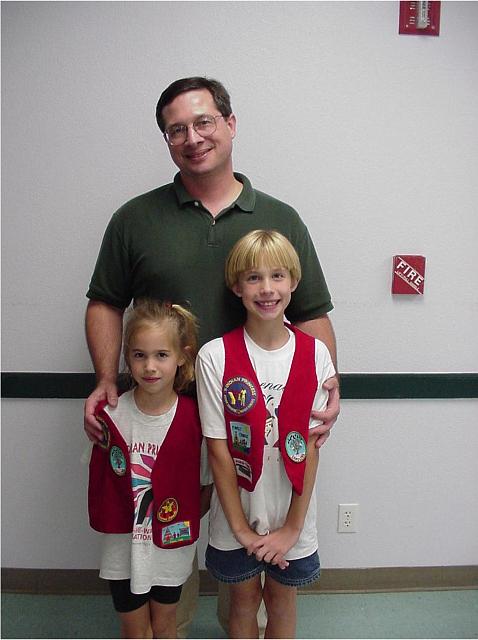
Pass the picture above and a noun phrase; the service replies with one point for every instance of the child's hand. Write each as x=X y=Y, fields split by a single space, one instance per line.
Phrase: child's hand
x=263 y=550
x=248 y=539
x=274 y=546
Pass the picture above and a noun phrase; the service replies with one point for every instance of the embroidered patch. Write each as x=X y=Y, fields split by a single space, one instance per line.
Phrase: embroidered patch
x=118 y=461
x=177 y=532
x=168 y=510
x=239 y=395
x=243 y=469
x=241 y=436
x=295 y=446
x=106 y=441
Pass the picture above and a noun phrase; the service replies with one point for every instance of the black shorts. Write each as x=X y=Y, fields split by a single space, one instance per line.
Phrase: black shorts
x=125 y=601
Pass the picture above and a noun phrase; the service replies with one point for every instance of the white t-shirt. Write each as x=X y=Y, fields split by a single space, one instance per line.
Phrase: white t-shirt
x=134 y=555
x=267 y=506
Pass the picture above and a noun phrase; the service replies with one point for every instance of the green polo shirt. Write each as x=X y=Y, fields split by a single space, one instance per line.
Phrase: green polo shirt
x=165 y=244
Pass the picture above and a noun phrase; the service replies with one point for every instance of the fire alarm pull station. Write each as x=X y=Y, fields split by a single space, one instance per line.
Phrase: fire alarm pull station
x=408 y=275
x=420 y=18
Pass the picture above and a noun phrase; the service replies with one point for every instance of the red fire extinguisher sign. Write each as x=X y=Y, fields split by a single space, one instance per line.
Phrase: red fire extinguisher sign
x=408 y=275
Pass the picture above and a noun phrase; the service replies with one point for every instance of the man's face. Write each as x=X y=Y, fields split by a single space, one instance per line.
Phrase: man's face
x=200 y=155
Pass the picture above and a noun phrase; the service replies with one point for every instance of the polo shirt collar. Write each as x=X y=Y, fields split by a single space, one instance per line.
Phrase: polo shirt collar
x=246 y=200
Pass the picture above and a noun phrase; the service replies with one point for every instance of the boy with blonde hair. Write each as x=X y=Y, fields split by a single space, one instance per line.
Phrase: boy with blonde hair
x=257 y=386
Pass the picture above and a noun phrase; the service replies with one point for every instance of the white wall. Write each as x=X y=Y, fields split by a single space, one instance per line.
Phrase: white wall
x=370 y=135
x=410 y=465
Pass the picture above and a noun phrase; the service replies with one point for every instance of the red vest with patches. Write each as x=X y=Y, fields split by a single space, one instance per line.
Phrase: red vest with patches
x=245 y=411
x=175 y=480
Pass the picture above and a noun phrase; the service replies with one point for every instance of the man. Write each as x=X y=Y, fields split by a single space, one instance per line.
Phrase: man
x=171 y=243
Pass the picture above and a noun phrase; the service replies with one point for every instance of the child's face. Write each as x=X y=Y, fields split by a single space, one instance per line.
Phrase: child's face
x=265 y=291
x=153 y=358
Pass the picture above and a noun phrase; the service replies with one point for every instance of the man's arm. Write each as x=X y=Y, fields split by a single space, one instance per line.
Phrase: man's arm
x=321 y=328
x=104 y=329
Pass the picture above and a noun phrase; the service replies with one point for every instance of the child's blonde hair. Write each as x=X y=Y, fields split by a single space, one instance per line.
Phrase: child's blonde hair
x=147 y=312
x=261 y=247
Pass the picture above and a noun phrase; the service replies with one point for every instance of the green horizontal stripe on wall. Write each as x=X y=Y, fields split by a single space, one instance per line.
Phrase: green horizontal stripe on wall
x=356 y=386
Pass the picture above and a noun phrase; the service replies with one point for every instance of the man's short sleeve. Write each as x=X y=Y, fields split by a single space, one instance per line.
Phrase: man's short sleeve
x=311 y=298
x=111 y=280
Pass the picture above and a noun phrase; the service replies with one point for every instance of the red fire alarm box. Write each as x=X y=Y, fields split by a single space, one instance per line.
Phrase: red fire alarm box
x=420 y=18
x=408 y=275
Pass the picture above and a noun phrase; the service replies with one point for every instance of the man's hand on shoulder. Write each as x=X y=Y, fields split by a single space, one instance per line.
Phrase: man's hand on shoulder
x=330 y=414
x=104 y=391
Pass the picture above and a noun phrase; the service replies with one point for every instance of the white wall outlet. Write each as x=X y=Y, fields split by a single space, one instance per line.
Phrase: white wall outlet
x=348 y=518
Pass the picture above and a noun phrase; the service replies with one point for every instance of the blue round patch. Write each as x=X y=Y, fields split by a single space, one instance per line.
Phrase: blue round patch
x=118 y=461
x=239 y=395
x=295 y=446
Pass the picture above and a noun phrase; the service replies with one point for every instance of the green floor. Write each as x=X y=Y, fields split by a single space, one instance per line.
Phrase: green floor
x=433 y=614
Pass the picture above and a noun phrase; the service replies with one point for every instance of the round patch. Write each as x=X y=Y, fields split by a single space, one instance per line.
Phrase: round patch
x=295 y=446
x=168 y=510
x=105 y=442
x=118 y=461
x=239 y=395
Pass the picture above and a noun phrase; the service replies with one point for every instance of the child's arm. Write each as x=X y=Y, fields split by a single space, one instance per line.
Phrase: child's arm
x=273 y=547
x=225 y=480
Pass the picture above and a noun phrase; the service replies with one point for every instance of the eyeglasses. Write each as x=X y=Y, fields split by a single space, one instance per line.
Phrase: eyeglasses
x=178 y=133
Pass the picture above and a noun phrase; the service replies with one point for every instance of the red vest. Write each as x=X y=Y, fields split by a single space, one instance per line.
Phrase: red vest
x=175 y=480
x=245 y=411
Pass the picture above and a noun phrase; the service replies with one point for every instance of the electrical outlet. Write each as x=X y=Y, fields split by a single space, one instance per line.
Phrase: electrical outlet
x=348 y=518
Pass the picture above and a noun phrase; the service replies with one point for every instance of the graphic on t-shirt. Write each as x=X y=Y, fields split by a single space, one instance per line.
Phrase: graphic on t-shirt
x=271 y=421
x=268 y=427
x=271 y=391
x=241 y=436
x=142 y=491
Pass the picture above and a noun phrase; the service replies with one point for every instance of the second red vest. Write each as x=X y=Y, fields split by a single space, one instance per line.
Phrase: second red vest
x=175 y=480
x=245 y=411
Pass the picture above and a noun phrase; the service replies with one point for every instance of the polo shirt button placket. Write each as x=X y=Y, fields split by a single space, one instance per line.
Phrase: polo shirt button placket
x=212 y=241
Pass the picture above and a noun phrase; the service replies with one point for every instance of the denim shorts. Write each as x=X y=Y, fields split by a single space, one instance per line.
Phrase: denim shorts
x=236 y=566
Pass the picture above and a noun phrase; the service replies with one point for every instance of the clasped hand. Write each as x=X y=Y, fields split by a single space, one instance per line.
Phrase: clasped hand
x=271 y=547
